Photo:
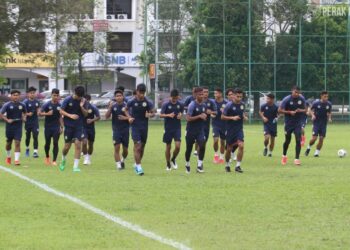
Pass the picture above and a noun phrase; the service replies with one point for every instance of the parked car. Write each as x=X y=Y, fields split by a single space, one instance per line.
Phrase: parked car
x=63 y=94
x=102 y=102
x=6 y=98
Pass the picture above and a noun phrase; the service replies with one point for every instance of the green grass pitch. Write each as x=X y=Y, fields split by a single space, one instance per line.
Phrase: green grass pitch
x=268 y=207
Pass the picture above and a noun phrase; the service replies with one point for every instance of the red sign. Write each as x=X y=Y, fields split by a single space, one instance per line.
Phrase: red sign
x=100 y=25
x=152 y=71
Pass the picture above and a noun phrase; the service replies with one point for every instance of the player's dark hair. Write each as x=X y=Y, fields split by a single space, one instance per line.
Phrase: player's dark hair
x=79 y=91
x=15 y=91
x=324 y=93
x=118 y=91
x=87 y=97
x=271 y=96
x=134 y=92
x=198 y=89
x=218 y=90
x=141 y=88
x=120 y=88
x=237 y=91
x=30 y=89
x=228 y=91
x=55 y=91
x=174 y=93
x=295 y=88
x=205 y=88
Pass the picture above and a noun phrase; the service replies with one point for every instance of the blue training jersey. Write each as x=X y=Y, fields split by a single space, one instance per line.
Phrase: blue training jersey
x=234 y=109
x=137 y=109
x=32 y=106
x=270 y=112
x=168 y=107
x=14 y=111
x=195 y=109
x=321 y=111
x=52 y=121
x=119 y=109
x=92 y=113
x=291 y=104
x=72 y=106
x=220 y=106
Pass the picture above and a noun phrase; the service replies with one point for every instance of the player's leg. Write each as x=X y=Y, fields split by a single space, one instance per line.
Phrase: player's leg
x=68 y=138
x=17 y=150
x=202 y=141
x=319 y=146
x=136 y=136
x=189 y=145
x=117 y=156
x=27 y=141
x=297 y=134
x=85 y=150
x=222 y=147
x=125 y=143
x=216 y=148
x=168 y=155
x=233 y=155
x=8 y=148
x=175 y=154
x=228 y=156
x=47 y=145
x=287 y=140
x=311 y=143
x=240 y=153
x=90 y=144
x=35 y=133
x=56 y=138
x=267 y=138
x=77 y=154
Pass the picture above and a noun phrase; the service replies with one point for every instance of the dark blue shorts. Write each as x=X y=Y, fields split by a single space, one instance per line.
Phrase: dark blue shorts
x=172 y=134
x=319 y=130
x=121 y=137
x=219 y=132
x=198 y=136
x=139 y=135
x=52 y=132
x=14 y=134
x=296 y=129
x=72 y=133
x=89 y=134
x=270 y=129
x=32 y=128
x=234 y=137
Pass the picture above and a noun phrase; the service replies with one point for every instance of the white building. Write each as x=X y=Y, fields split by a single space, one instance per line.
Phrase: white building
x=121 y=18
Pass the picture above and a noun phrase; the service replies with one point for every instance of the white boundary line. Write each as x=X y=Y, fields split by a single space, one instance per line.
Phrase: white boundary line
x=115 y=219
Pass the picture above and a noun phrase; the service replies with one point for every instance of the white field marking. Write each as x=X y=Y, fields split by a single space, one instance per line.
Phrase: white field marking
x=115 y=219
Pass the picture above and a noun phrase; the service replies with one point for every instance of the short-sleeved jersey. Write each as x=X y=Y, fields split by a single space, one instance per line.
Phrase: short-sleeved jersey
x=270 y=112
x=291 y=104
x=234 y=109
x=92 y=113
x=211 y=105
x=220 y=106
x=52 y=121
x=32 y=106
x=188 y=101
x=119 y=109
x=72 y=106
x=321 y=111
x=195 y=109
x=168 y=108
x=14 y=111
x=137 y=109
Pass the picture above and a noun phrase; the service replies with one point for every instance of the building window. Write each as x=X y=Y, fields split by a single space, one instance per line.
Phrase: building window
x=31 y=42
x=119 y=42
x=119 y=9
x=82 y=42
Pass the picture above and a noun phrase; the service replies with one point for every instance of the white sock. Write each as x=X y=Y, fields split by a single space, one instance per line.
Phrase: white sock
x=27 y=148
x=317 y=152
x=118 y=164
x=228 y=164
x=187 y=163
x=309 y=147
x=195 y=152
x=138 y=166
x=221 y=156
x=216 y=154
x=238 y=164
x=76 y=163
x=17 y=154
x=63 y=157
x=88 y=156
x=200 y=163
x=122 y=159
x=35 y=151
x=8 y=153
